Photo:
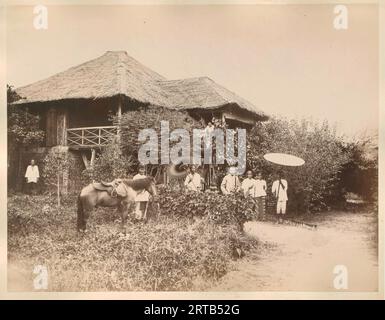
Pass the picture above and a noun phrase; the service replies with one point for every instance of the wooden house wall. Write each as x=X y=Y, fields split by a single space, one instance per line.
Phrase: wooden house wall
x=51 y=127
x=91 y=113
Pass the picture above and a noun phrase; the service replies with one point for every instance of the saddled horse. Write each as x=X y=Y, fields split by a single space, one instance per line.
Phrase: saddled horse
x=120 y=194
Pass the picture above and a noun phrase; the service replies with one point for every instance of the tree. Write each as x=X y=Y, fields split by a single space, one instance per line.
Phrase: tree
x=131 y=123
x=57 y=164
x=23 y=131
x=110 y=164
x=360 y=174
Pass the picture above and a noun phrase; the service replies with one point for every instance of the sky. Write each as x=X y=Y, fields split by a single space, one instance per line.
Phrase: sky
x=287 y=60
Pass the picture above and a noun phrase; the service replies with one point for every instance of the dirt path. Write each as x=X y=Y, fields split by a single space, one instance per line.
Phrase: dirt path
x=294 y=258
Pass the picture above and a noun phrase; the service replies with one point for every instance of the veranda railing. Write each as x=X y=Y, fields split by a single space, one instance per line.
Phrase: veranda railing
x=88 y=137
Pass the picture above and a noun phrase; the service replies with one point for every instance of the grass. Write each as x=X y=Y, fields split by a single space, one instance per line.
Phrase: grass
x=168 y=253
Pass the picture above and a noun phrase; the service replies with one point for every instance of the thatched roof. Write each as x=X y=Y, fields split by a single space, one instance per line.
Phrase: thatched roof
x=116 y=73
x=203 y=93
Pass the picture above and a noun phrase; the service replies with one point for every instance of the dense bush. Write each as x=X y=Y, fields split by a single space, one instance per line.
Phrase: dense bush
x=168 y=253
x=360 y=174
x=230 y=209
x=109 y=165
x=314 y=186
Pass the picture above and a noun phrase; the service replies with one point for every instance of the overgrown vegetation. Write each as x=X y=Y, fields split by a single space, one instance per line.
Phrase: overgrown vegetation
x=172 y=252
x=229 y=209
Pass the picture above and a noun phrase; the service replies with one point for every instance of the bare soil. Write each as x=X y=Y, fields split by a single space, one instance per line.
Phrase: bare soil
x=295 y=258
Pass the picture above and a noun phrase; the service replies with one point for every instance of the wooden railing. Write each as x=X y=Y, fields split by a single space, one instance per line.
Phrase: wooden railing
x=89 y=137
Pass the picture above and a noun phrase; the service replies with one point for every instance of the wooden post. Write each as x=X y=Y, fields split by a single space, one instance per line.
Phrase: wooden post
x=119 y=114
x=119 y=111
x=62 y=127
x=223 y=118
x=92 y=157
x=51 y=127
x=58 y=189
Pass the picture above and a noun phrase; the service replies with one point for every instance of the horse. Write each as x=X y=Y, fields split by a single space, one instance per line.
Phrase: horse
x=121 y=196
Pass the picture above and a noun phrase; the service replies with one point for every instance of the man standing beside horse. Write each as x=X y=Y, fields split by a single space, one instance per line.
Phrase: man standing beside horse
x=142 y=198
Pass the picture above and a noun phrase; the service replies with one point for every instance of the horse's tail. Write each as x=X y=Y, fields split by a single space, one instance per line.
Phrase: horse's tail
x=80 y=223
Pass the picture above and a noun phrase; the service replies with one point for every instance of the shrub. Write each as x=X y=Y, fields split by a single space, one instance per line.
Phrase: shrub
x=230 y=209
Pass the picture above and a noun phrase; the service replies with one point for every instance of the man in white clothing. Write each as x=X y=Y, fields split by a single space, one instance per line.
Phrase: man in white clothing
x=260 y=193
x=230 y=183
x=142 y=198
x=248 y=185
x=193 y=181
x=32 y=176
x=279 y=190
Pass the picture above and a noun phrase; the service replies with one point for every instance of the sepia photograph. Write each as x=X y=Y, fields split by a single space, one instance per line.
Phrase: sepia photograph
x=199 y=148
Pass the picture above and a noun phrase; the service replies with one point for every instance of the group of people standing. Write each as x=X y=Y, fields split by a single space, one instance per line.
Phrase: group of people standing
x=253 y=186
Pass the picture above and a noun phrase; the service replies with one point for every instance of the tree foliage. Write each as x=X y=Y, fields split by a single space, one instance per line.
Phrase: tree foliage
x=110 y=164
x=22 y=131
x=23 y=126
x=360 y=173
x=131 y=123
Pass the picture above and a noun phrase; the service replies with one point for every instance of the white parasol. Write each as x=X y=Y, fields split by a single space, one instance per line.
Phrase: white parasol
x=284 y=159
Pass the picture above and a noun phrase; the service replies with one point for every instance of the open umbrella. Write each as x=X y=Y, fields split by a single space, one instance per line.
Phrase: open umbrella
x=284 y=159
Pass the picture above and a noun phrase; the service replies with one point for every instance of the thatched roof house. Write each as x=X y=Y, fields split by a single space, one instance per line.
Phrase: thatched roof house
x=75 y=105
x=82 y=96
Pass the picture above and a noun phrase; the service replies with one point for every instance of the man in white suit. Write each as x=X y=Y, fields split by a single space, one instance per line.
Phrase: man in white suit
x=279 y=190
